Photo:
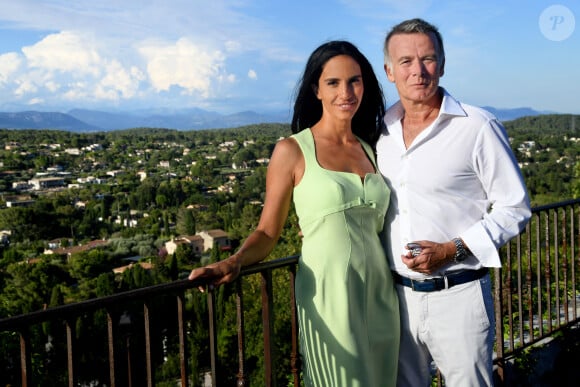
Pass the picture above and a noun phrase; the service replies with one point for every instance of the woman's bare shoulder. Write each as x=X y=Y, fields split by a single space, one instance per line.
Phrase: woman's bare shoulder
x=287 y=148
x=287 y=159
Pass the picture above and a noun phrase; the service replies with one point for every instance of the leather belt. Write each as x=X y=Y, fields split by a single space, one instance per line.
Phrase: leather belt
x=439 y=283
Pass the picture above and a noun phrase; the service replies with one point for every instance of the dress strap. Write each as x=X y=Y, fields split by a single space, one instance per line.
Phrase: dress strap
x=305 y=141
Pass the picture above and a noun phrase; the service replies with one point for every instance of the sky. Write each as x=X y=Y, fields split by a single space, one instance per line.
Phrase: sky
x=229 y=56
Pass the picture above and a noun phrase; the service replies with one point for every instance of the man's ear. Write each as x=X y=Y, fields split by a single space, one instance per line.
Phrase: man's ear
x=389 y=72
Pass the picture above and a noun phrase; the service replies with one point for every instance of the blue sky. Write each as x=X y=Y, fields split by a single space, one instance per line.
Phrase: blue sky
x=235 y=55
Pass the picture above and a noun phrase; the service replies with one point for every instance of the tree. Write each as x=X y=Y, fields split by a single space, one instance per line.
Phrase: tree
x=56 y=296
x=185 y=222
x=29 y=286
x=166 y=223
x=105 y=284
x=11 y=255
x=90 y=264
x=576 y=181
x=184 y=253
x=243 y=157
x=174 y=267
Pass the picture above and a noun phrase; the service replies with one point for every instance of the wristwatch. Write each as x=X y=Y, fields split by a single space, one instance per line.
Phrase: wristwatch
x=460 y=251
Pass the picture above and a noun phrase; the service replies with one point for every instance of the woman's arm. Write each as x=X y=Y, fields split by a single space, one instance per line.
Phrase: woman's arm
x=284 y=172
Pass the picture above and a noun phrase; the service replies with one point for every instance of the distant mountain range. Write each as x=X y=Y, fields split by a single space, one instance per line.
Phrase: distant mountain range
x=512 y=114
x=81 y=120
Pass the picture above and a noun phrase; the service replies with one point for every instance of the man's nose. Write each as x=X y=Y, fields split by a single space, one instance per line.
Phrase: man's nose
x=418 y=68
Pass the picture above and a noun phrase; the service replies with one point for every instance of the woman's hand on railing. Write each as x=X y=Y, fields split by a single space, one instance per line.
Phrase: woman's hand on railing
x=217 y=273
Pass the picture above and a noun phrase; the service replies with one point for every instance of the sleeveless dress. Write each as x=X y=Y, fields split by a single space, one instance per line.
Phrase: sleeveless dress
x=348 y=311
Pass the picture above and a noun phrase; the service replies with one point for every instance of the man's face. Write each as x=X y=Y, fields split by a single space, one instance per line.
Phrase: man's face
x=414 y=67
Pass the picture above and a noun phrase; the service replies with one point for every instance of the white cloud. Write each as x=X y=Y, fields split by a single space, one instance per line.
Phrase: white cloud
x=87 y=53
x=36 y=101
x=76 y=91
x=119 y=81
x=184 y=64
x=9 y=64
x=71 y=64
x=52 y=86
x=65 y=52
x=25 y=87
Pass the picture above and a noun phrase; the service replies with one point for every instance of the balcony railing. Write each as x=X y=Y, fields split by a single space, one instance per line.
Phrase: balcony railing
x=536 y=295
x=537 y=290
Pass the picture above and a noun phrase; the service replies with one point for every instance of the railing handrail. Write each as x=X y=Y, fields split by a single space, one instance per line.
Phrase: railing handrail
x=553 y=206
x=38 y=316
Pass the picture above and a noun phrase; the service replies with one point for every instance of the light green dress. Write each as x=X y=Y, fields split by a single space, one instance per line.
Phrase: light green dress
x=347 y=304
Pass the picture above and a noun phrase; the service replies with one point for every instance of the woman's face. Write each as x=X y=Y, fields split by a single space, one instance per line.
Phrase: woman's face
x=340 y=87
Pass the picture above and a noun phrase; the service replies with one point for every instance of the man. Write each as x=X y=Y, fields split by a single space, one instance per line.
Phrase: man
x=457 y=192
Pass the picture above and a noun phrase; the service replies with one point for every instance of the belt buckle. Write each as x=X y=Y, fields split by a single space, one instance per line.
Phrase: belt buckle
x=432 y=280
x=413 y=283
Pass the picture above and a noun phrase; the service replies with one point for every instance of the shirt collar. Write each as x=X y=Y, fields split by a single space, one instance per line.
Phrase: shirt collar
x=449 y=106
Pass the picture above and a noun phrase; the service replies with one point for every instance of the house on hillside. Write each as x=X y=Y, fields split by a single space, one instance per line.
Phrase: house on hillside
x=201 y=242
x=195 y=241
x=46 y=182
x=5 y=237
x=20 y=186
x=69 y=251
x=115 y=173
x=58 y=243
x=215 y=237
x=18 y=200
x=73 y=151
x=12 y=145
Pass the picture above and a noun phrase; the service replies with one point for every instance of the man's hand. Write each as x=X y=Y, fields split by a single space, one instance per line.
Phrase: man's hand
x=433 y=256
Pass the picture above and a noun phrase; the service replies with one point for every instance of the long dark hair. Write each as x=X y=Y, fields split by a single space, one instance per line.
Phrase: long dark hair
x=367 y=121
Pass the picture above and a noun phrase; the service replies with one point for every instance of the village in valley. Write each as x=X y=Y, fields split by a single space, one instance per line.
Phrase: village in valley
x=140 y=196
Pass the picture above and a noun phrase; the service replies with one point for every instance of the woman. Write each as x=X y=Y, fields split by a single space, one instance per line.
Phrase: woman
x=347 y=306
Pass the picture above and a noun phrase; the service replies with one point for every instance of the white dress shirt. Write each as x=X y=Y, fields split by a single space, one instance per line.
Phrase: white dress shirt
x=459 y=178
